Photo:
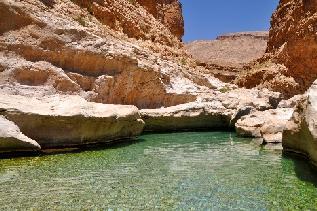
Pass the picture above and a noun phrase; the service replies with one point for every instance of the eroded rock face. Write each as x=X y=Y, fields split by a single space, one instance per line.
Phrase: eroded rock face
x=293 y=40
x=12 y=139
x=68 y=47
x=60 y=121
x=228 y=54
x=112 y=52
x=300 y=135
x=233 y=50
x=133 y=18
x=189 y=116
x=169 y=12
x=290 y=63
x=220 y=111
x=268 y=125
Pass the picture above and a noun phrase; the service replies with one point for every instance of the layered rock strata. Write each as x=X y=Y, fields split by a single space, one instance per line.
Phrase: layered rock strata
x=64 y=47
x=229 y=54
x=60 y=58
x=62 y=121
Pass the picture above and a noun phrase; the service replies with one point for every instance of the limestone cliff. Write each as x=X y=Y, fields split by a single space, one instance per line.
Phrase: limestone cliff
x=300 y=135
x=290 y=65
x=106 y=51
x=78 y=53
x=169 y=12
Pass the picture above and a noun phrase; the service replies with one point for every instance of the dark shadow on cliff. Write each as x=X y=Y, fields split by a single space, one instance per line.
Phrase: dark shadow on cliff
x=49 y=3
x=303 y=169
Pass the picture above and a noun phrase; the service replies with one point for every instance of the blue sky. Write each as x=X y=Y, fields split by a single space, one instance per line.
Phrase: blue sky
x=205 y=19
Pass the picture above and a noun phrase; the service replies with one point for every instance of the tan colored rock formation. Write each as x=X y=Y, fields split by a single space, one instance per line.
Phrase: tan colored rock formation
x=61 y=121
x=300 y=135
x=220 y=111
x=169 y=12
x=228 y=54
x=290 y=63
x=189 y=116
x=60 y=52
x=12 y=139
x=293 y=40
x=133 y=18
x=268 y=125
x=95 y=60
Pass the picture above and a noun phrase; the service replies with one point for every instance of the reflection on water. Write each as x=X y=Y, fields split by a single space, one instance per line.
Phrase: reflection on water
x=198 y=170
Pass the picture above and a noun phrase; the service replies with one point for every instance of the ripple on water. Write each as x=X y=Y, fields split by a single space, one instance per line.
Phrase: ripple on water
x=198 y=170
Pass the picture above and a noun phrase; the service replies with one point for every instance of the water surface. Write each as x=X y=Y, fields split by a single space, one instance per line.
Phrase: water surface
x=178 y=171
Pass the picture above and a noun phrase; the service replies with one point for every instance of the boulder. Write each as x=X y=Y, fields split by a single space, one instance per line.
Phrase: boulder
x=12 y=139
x=61 y=120
x=268 y=125
x=300 y=135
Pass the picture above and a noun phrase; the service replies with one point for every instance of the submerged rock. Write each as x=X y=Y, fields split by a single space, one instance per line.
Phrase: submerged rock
x=59 y=120
x=300 y=135
x=12 y=139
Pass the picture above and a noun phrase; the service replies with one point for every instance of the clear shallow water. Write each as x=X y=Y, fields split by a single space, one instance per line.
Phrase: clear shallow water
x=181 y=171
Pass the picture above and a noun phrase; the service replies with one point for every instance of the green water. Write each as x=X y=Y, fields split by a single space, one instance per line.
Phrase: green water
x=179 y=171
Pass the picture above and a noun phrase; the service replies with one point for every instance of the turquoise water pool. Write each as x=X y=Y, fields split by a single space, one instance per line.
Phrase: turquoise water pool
x=178 y=171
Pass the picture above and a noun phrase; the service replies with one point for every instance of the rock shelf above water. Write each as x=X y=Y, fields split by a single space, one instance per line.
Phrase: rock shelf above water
x=61 y=121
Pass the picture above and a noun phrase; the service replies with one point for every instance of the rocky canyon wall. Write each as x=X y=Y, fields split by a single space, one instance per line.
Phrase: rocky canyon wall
x=169 y=12
x=117 y=52
x=290 y=65
x=135 y=18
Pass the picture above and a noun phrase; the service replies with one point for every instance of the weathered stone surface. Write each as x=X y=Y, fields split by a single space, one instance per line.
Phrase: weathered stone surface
x=290 y=65
x=230 y=50
x=268 y=124
x=12 y=139
x=72 y=50
x=59 y=121
x=111 y=52
x=169 y=12
x=219 y=111
x=228 y=55
x=290 y=103
x=189 y=116
x=155 y=20
x=300 y=135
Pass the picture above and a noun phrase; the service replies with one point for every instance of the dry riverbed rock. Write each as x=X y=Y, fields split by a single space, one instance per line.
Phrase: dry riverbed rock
x=61 y=121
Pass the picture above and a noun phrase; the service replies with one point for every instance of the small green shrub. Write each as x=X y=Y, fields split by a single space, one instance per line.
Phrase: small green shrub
x=225 y=89
x=183 y=61
x=81 y=21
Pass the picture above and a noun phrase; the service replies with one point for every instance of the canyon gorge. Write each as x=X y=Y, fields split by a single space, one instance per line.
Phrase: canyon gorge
x=75 y=72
